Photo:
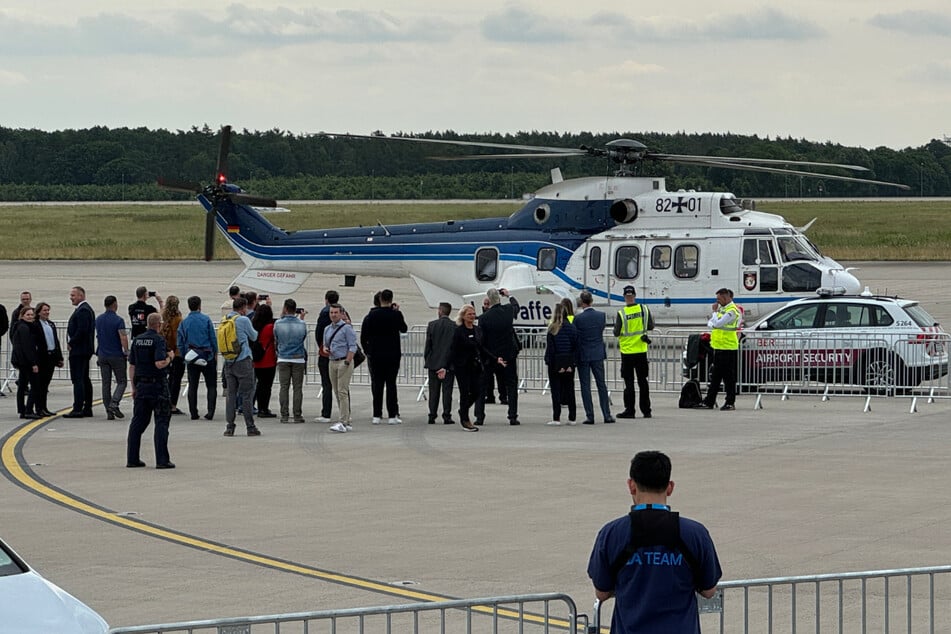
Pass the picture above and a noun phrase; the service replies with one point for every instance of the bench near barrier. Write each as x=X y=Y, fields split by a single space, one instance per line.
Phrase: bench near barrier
x=864 y=366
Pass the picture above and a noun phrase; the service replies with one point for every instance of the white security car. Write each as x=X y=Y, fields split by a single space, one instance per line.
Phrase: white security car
x=866 y=340
x=29 y=604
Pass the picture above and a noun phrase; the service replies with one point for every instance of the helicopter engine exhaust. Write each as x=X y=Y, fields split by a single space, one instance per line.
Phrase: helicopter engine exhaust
x=624 y=211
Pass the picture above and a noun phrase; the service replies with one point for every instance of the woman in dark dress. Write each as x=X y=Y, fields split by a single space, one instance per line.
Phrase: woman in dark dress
x=51 y=356
x=26 y=360
x=266 y=368
x=561 y=357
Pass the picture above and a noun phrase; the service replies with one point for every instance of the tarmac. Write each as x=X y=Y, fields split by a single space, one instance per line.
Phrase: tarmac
x=304 y=519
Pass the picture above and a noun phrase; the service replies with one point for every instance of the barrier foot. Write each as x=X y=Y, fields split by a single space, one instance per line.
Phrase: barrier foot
x=931 y=396
x=825 y=394
x=868 y=404
x=914 y=405
x=521 y=386
x=320 y=392
x=547 y=385
x=759 y=402
x=422 y=390
x=785 y=393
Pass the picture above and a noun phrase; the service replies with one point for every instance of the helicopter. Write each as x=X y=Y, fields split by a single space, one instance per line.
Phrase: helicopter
x=592 y=233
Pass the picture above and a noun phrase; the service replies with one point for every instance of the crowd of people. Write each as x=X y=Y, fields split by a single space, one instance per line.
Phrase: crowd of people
x=256 y=347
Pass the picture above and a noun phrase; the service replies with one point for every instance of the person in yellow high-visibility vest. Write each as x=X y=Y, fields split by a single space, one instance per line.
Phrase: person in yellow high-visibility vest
x=725 y=322
x=630 y=327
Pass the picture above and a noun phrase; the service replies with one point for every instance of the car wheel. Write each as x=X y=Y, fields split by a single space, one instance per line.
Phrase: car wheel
x=881 y=372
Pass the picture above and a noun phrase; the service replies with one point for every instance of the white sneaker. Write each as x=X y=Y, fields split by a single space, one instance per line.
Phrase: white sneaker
x=554 y=423
x=339 y=427
x=394 y=421
x=571 y=423
x=348 y=426
x=376 y=420
x=321 y=419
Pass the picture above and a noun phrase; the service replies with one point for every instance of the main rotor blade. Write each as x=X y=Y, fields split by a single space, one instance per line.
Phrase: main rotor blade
x=731 y=159
x=210 y=233
x=223 y=149
x=187 y=187
x=775 y=170
x=478 y=157
x=253 y=201
x=500 y=146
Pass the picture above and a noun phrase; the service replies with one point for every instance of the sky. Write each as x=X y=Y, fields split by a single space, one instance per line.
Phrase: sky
x=864 y=73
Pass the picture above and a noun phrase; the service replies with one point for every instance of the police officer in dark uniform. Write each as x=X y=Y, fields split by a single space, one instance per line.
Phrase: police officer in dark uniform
x=148 y=360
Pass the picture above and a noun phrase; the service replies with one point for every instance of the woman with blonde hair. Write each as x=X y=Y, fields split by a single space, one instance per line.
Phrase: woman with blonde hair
x=561 y=357
x=171 y=319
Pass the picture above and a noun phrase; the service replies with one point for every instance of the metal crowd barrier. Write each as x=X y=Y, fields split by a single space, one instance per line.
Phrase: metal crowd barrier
x=864 y=364
x=541 y=613
x=815 y=364
x=900 y=600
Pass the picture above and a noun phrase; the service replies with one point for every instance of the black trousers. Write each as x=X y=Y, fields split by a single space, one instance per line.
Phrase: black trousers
x=562 y=386
x=26 y=389
x=441 y=387
x=470 y=385
x=383 y=378
x=209 y=373
x=150 y=399
x=82 y=384
x=724 y=369
x=175 y=373
x=262 y=390
x=42 y=384
x=326 y=388
x=631 y=365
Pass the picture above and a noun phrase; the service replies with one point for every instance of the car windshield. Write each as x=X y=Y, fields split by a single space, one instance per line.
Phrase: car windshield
x=920 y=315
x=8 y=565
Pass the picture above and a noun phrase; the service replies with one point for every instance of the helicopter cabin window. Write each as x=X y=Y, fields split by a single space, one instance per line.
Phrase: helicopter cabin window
x=660 y=257
x=626 y=262
x=687 y=261
x=486 y=264
x=546 y=259
x=758 y=252
x=594 y=258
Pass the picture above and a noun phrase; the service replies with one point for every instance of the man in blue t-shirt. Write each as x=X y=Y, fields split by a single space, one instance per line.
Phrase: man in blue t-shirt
x=653 y=561
x=112 y=352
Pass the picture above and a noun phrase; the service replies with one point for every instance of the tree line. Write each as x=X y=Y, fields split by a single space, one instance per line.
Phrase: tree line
x=100 y=163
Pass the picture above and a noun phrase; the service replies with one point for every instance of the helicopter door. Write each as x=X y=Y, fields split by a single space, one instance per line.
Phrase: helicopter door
x=759 y=269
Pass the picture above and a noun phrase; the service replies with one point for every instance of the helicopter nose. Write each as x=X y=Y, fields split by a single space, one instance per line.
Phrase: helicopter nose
x=841 y=278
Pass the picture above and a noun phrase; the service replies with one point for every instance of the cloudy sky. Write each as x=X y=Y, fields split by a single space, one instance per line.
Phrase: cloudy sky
x=857 y=72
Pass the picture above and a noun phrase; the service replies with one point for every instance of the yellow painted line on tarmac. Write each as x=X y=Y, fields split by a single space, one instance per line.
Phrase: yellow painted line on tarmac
x=12 y=462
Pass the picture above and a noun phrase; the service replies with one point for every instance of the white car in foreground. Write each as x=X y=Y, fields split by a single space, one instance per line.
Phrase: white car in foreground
x=29 y=604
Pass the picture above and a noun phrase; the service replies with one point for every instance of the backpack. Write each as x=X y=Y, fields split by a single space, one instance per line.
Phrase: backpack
x=228 y=338
x=690 y=395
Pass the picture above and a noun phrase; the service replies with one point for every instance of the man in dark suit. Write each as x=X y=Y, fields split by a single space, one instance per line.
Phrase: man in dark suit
x=380 y=337
x=81 y=340
x=439 y=334
x=498 y=332
x=590 y=326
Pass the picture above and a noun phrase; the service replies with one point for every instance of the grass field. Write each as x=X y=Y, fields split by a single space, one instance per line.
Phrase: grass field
x=844 y=230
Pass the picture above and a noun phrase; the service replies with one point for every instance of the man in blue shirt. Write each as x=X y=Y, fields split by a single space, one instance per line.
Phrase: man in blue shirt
x=112 y=352
x=341 y=343
x=196 y=334
x=239 y=372
x=653 y=562
x=290 y=332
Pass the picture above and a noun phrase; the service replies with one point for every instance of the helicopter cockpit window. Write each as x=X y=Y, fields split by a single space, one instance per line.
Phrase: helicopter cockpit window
x=546 y=259
x=758 y=251
x=660 y=257
x=594 y=258
x=486 y=264
x=794 y=248
x=729 y=205
x=687 y=261
x=626 y=263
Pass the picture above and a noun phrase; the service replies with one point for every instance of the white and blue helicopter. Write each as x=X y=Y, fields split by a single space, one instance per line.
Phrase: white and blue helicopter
x=595 y=233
